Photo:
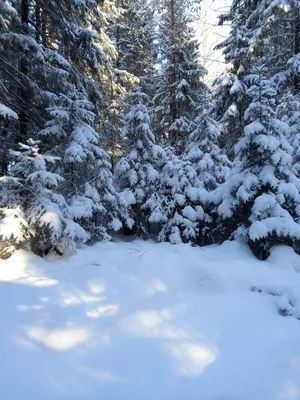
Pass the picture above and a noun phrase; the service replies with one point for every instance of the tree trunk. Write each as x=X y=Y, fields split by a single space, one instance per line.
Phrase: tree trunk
x=119 y=3
x=44 y=30
x=38 y=21
x=173 y=61
x=297 y=49
x=24 y=71
x=4 y=150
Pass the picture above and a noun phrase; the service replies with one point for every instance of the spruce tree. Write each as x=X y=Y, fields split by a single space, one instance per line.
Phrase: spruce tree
x=50 y=224
x=85 y=166
x=189 y=88
x=54 y=66
x=183 y=205
x=265 y=32
x=229 y=89
x=38 y=216
x=136 y=173
x=278 y=35
x=133 y=33
x=178 y=83
x=209 y=161
x=261 y=199
x=12 y=219
x=288 y=111
x=175 y=205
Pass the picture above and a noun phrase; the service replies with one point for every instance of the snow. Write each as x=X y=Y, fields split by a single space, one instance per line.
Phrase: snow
x=237 y=87
x=7 y=112
x=11 y=223
x=151 y=321
x=194 y=214
x=283 y=226
x=253 y=128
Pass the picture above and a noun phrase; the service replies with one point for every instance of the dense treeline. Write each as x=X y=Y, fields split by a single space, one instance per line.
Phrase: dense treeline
x=106 y=125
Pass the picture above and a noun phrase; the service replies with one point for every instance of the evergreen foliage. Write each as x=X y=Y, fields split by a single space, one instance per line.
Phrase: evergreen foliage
x=178 y=85
x=82 y=156
x=136 y=173
x=261 y=198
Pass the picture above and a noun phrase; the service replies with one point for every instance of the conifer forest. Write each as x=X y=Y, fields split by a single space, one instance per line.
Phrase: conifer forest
x=150 y=199
x=109 y=129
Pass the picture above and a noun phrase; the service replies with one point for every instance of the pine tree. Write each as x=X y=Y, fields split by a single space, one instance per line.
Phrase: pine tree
x=261 y=198
x=136 y=173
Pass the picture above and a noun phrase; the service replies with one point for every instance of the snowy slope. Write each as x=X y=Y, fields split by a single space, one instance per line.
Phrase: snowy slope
x=151 y=321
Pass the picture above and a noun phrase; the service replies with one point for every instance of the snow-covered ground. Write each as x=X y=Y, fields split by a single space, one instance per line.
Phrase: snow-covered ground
x=151 y=321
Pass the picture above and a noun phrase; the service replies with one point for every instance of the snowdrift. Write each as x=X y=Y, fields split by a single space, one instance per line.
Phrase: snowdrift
x=151 y=321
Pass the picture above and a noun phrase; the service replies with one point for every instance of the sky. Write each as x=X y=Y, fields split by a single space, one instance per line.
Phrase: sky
x=210 y=34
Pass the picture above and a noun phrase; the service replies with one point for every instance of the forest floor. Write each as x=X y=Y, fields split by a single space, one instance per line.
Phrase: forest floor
x=151 y=321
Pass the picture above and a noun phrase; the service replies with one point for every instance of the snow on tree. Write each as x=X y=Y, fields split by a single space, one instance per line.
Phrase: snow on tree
x=64 y=79
x=175 y=206
x=7 y=115
x=210 y=166
x=278 y=35
x=130 y=26
x=261 y=200
x=13 y=223
x=133 y=35
x=189 y=88
x=266 y=32
x=208 y=160
x=229 y=89
x=183 y=203
x=6 y=112
x=11 y=215
x=288 y=111
x=39 y=216
x=88 y=186
x=178 y=84
x=37 y=63
x=136 y=173
x=230 y=101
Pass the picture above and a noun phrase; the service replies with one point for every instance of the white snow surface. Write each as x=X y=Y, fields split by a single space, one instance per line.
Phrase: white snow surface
x=7 y=112
x=151 y=321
